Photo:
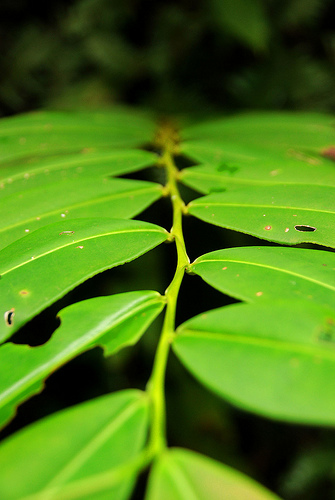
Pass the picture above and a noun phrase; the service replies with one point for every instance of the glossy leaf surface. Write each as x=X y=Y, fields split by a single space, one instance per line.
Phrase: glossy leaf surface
x=262 y=273
x=269 y=131
x=86 y=196
x=62 y=455
x=55 y=132
x=46 y=264
x=257 y=169
x=112 y=322
x=184 y=475
x=260 y=149
x=41 y=171
x=276 y=359
x=284 y=214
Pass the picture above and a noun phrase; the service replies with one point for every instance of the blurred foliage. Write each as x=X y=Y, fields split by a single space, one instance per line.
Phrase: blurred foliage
x=171 y=56
x=176 y=57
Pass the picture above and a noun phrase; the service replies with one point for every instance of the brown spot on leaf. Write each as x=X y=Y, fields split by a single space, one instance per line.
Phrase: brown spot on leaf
x=329 y=153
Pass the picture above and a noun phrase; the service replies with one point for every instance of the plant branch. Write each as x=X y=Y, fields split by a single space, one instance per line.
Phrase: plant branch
x=157 y=380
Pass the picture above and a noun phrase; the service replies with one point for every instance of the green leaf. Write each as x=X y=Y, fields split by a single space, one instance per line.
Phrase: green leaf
x=285 y=214
x=71 y=198
x=263 y=148
x=279 y=131
x=262 y=273
x=111 y=322
x=44 y=170
x=181 y=474
x=218 y=150
x=258 y=170
x=41 y=267
x=274 y=358
x=54 y=132
x=66 y=452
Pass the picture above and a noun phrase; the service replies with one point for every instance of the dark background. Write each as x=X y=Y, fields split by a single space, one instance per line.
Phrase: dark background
x=190 y=59
x=179 y=56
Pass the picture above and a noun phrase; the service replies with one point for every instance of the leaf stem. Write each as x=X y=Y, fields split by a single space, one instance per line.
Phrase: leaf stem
x=156 y=382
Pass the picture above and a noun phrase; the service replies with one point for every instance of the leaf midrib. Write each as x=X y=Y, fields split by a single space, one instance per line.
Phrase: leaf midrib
x=182 y=481
x=267 y=266
x=247 y=180
x=91 y=201
x=246 y=205
x=274 y=344
x=43 y=370
x=79 y=241
x=88 y=450
x=62 y=128
x=74 y=161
